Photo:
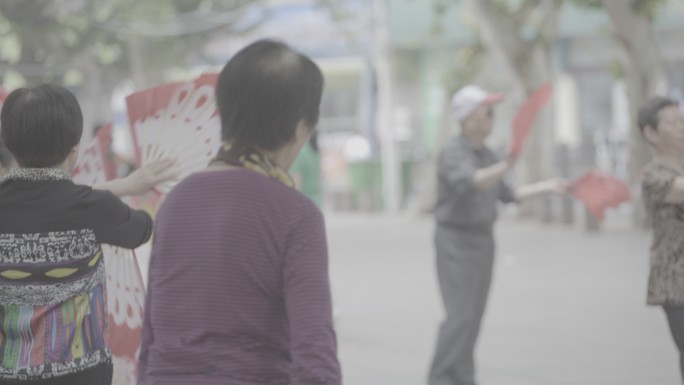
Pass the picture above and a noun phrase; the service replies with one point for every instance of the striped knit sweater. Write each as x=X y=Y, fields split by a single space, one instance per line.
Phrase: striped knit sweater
x=238 y=289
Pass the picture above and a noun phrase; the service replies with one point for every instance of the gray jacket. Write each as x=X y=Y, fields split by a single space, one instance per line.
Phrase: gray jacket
x=459 y=203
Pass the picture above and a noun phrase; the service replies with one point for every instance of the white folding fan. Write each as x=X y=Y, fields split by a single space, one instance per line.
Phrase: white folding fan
x=176 y=120
x=125 y=288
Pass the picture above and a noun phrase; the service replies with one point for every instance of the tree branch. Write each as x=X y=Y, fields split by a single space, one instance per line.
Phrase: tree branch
x=525 y=10
x=502 y=35
x=548 y=27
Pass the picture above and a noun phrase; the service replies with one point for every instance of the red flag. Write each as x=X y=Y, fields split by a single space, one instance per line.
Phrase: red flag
x=527 y=113
x=599 y=192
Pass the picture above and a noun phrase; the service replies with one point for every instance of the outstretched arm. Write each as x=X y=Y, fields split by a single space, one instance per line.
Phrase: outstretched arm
x=533 y=190
x=141 y=180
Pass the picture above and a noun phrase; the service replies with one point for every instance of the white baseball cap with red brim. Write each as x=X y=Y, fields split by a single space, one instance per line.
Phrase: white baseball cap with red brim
x=468 y=98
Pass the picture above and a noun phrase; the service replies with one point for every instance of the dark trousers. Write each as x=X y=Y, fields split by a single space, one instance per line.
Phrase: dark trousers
x=675 y=317
x=100 y=375
x=464 y=269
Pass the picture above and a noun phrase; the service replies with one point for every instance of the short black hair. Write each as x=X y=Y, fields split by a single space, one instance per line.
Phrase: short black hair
x=41 y=125
x=5 y=156
x=264 y=91
x=649 y=112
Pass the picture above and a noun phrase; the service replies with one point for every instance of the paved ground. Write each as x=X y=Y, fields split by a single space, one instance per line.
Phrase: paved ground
x=566 y=307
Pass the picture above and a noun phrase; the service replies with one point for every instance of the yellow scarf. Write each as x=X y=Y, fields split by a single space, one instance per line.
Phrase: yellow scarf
x=252 y=160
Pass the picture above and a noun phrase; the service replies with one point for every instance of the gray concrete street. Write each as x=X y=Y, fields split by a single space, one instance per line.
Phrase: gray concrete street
x=566 y=307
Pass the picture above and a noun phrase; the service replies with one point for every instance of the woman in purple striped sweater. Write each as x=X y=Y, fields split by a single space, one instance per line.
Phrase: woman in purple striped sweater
x=238 y=289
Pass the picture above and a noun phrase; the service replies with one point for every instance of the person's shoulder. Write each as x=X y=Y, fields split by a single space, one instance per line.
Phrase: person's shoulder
x=304 y=216
x=207 y=181
x=452 y=145
x=243 y=182
x=102 y=201
x=305 y=204
x=91 y=194
x=78 y=194
x=237 y=179
x=495 y=155
x=291 y=198
x=455 y=142
x=656 y=178
x=657 y=167
x=286 y=199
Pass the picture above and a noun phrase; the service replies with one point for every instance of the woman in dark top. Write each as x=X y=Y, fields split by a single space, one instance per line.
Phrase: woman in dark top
x=53 y=325
x=238 y=289
x=661 y=122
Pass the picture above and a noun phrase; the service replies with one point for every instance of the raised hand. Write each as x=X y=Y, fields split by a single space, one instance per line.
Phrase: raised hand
x=147 y=177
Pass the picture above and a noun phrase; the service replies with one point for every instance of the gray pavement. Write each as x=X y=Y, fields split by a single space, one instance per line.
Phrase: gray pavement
x=566 y=307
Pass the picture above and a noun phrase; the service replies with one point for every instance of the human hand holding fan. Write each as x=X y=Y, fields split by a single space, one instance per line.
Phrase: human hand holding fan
x=176 y=120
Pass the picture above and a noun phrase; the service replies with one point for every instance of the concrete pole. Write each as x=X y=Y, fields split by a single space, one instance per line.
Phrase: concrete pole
x=391 y=182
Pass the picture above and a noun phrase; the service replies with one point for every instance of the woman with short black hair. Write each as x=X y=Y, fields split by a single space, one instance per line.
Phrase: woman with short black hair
x=238 y=288
x=662 y=125
x=53 y=323
x=33 y=141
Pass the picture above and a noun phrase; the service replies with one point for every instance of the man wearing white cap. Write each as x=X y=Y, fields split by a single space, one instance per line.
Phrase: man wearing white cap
x=470 y=185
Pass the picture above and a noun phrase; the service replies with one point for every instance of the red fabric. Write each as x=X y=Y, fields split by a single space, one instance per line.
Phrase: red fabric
x=599 y=192
x=524 y=118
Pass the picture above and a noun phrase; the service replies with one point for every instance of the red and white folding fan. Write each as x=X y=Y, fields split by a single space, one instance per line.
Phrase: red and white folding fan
x=93 y=166
x=125 y=307
x=176 y=120
x=125 y=289
x=599 y=192
x=3 y=96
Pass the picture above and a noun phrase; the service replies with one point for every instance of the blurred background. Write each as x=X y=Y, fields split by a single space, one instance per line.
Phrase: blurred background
x=567 y=305
x=390 y=66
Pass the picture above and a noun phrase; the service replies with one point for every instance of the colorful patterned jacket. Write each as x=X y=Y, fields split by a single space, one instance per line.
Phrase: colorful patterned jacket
x=52 y=279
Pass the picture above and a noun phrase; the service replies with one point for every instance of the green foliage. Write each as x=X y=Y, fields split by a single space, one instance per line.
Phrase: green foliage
x=649 y=8
x=594 y=4
x=48 y=38
x=468 y=62
x=617 y=69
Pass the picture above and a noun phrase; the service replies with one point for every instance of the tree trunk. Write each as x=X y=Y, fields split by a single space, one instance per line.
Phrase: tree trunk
x=529 y=60
x=645 y=77
x=428 y=196
x=136 y=66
